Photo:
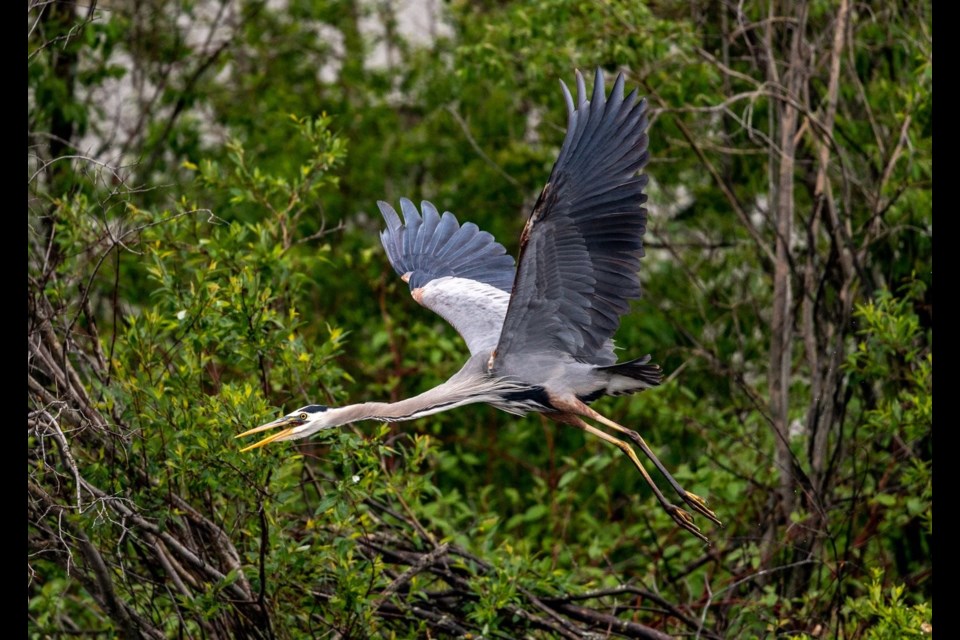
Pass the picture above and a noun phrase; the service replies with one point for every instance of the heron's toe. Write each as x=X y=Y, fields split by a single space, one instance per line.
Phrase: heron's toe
x=696 y=498
x=700 y=506
x=682 y=517
x=685 y=520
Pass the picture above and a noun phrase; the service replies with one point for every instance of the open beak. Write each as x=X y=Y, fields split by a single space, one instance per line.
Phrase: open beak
x=276 y=424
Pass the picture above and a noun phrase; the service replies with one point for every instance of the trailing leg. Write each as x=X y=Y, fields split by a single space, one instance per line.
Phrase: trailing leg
x=697 y=503
x=681 y=517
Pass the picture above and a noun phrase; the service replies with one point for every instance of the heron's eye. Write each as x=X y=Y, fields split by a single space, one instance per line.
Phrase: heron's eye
x=303 y=416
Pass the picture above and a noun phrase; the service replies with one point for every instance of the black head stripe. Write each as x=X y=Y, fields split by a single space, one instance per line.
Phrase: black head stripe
x=313 y=408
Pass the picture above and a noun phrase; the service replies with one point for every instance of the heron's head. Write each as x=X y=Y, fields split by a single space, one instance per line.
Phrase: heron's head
x=297 y=424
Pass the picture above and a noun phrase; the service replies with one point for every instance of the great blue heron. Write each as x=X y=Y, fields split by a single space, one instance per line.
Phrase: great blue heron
x=540 y=335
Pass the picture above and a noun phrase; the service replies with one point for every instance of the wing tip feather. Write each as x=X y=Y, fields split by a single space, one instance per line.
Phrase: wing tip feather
x=433 y=246
x=595 y=174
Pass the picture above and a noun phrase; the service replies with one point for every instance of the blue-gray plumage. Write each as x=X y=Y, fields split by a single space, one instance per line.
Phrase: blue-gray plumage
x=541 y=335
x=432 y=246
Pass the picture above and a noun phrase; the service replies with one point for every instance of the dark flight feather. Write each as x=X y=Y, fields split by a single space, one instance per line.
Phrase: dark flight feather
x=580 y=250
x=431 y=246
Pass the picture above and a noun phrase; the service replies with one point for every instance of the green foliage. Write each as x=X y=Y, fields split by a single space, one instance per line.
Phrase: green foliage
x=893 y=354
x=886 y=615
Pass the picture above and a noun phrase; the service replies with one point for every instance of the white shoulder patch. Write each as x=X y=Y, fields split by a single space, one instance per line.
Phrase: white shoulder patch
x=474 y=309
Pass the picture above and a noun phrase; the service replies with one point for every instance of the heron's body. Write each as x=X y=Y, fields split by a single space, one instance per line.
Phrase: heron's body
x=540 y=334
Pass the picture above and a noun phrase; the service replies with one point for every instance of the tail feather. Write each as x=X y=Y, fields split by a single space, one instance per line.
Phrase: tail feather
x=640 y=372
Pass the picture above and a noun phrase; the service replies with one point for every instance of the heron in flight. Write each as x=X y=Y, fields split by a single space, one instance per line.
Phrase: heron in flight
x=539 y=335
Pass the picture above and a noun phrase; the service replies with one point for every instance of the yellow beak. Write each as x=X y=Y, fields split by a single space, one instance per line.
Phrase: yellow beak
x=282 y=422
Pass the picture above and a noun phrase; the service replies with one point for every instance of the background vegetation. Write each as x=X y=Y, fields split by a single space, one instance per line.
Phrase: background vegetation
x=203 y=254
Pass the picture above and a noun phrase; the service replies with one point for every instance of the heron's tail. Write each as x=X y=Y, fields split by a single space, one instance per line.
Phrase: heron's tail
x=639 y=374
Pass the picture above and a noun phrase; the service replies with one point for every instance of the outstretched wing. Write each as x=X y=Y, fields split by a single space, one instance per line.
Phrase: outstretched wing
x=581 y=248
x=459 y=272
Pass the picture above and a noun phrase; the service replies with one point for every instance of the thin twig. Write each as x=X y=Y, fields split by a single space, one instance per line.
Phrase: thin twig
x=476 y=147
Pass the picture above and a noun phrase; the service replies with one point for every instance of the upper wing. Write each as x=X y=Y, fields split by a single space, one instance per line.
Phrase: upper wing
x=459 y=272
x=581 y=248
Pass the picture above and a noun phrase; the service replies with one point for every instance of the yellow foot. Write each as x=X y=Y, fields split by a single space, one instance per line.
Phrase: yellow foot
x=700 y=506
x=685 y=520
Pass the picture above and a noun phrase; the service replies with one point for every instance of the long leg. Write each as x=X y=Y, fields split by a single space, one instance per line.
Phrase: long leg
x=679 y=516
x=697 y=503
